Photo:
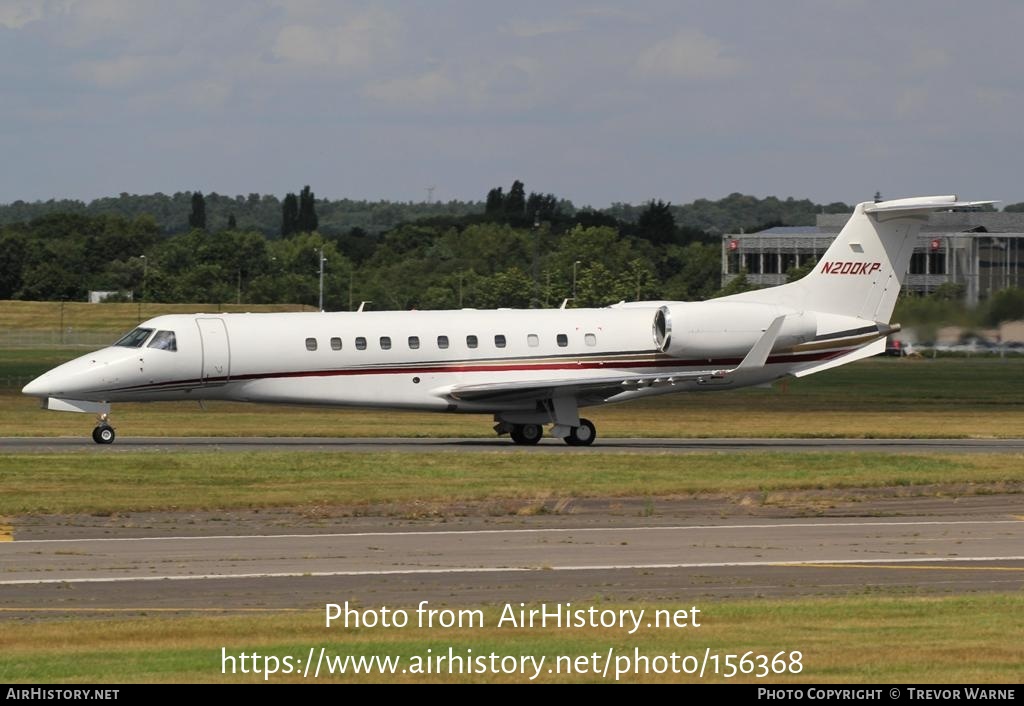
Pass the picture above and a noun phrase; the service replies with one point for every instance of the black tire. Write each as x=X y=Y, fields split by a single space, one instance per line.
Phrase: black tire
x=526 y=434
x=103 y=434
x=583 y=435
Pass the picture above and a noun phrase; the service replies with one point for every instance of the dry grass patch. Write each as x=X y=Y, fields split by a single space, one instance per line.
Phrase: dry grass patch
x=526 y=482
x=841 y=640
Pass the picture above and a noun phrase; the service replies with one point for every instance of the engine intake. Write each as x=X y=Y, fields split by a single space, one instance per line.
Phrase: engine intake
x=694 y=330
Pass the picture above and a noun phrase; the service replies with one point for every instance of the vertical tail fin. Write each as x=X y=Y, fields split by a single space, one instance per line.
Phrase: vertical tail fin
x=861 y=273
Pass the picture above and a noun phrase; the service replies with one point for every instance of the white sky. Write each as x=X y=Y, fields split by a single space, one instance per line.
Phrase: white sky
x=593 y=101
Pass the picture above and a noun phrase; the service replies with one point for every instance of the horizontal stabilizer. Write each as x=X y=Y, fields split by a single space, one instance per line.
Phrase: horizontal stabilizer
x=923 y=203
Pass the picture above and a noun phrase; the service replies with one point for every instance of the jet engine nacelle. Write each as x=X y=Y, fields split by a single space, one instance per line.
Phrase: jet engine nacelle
x=693 y=330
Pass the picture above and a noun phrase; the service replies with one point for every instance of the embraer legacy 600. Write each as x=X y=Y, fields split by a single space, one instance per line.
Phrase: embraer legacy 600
x=528 y=368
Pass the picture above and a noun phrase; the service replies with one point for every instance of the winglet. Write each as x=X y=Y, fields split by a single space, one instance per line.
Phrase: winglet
x=758 y=354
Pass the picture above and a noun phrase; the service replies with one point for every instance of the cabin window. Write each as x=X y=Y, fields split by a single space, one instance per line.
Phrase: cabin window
x=562 y=340
x=360 y=343
x=310 y=344
x=590 y=339
x=165 y=341
x=414 y=342
x=442 y=341
x=499 y=341
x=471 y=341
x=335 y=343
x=135 y=338
x=532 y=340
x=385 y=343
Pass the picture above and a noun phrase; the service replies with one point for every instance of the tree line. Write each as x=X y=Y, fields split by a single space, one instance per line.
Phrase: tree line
x=520 y=250
x=529 y=251
x=182 y=211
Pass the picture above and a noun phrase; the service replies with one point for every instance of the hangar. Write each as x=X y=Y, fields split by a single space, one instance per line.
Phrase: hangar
x=981 y=250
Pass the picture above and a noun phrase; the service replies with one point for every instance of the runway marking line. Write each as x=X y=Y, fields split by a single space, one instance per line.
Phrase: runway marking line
x=919 y=568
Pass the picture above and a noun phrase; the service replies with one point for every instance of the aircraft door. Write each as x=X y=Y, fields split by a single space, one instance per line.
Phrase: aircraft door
x=216 y=368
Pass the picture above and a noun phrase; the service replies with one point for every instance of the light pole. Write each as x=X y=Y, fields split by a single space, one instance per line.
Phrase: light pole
x=145 y=267
x=574 y=281
x=323 y=259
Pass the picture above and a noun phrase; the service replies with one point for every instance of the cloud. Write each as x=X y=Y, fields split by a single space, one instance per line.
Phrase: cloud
x=15 y=14
x=353 y=45
x=130 y=69
x=688 y=54
x=928 y=59
x=426 y=89
x=507 y=84
x=527 y=29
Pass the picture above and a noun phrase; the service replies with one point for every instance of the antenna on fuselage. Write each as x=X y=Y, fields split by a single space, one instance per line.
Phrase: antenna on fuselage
x=564 y=302
x=362 y=304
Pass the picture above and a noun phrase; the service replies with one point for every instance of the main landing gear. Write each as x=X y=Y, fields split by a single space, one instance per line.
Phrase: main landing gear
x=530 y=434
x=103 y=433
x=583 y=435
x=526 y=434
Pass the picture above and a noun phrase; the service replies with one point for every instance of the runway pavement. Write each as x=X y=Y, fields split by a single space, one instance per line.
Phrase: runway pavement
x=978 y=546
x=612 y=548
x=410 y=445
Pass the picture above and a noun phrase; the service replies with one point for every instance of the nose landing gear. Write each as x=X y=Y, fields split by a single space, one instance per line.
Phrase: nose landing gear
x=103 y=433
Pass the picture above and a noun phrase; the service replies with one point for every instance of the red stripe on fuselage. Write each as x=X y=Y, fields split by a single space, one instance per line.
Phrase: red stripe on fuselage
x=610 y=365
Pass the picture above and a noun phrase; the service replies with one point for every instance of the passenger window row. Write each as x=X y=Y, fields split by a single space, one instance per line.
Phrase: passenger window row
x=500 y=341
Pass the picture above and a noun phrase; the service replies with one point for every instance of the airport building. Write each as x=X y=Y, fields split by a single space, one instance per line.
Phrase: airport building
x=981 y=250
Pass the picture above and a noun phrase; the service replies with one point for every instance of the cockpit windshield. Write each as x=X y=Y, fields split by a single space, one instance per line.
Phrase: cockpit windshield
x=135 y=338
x=164 y=340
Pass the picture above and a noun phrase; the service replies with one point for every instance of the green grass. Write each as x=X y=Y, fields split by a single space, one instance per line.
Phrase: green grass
x=949 y=640
x=113 y=318
x=132 y=481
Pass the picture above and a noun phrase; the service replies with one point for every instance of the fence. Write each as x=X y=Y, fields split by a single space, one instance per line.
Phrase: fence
x=75 y=342
x=69 y=338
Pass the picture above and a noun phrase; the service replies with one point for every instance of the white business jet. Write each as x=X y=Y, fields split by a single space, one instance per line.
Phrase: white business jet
x=528 y=368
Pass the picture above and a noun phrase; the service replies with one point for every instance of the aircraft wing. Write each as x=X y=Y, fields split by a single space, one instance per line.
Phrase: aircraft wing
x=603 y=387
x=607 y=386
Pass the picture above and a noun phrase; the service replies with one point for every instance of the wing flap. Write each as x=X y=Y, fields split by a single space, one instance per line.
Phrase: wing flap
x=604 y=386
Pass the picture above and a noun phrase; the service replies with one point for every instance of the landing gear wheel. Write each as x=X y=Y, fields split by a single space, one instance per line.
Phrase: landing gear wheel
x=526 y=434
x=583 y=435
x=103 y=434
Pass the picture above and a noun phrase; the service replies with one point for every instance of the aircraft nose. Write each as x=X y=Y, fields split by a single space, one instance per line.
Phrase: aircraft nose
x=73 y=377
x=37 y=388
